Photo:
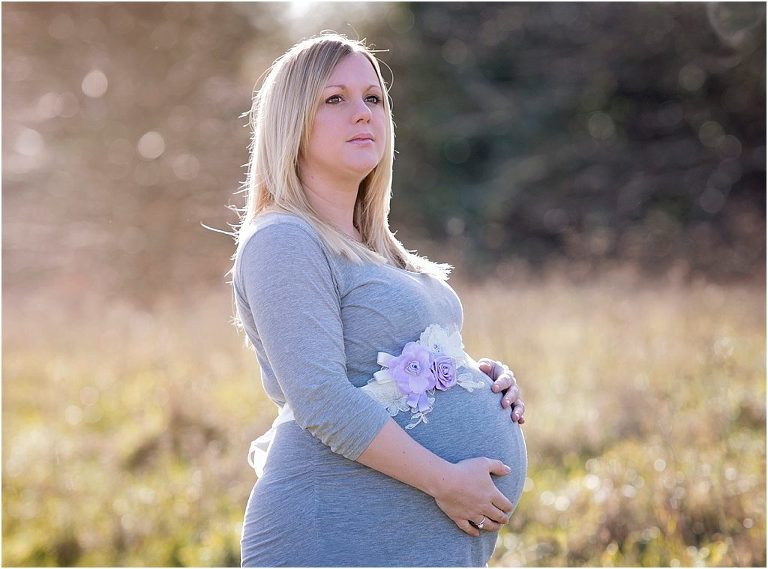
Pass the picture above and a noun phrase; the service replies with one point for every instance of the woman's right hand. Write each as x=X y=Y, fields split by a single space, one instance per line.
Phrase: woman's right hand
x=468 y=493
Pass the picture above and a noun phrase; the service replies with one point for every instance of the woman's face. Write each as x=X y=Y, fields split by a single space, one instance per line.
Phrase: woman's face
x=351 y=105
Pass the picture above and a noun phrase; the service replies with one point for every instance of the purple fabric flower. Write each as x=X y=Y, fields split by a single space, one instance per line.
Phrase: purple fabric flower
x=418 y=401
x=444 y=370
x=412 y=372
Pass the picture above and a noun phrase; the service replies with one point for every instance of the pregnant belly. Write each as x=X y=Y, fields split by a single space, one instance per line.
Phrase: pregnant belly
x=307 y=489
x=464 y=424
x=461 y=425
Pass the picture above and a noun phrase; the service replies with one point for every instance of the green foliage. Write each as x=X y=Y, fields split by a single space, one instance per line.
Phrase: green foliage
x=523 y=130
x=584 y=130
x=126 y=432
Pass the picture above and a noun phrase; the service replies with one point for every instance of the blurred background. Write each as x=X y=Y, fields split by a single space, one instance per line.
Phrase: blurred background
x=594 y=171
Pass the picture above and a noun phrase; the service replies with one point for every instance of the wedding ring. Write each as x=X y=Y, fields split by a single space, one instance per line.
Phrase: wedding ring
x=480 y=525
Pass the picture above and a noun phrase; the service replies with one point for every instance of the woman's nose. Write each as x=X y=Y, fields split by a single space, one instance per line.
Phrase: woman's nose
x=362 y=111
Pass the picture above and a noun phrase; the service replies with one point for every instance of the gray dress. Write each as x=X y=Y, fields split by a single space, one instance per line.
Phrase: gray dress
x=317 y=322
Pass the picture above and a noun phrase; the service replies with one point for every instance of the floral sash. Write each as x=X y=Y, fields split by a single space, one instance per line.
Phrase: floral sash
x=408 y=382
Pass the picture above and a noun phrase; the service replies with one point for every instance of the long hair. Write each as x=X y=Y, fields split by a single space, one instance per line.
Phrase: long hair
x=281 y=119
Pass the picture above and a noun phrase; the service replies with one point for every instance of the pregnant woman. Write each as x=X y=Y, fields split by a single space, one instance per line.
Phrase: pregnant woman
x=391 y=447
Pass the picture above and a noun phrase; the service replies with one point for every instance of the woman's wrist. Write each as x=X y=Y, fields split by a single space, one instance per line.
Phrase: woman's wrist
x=393 y=452
x=438 y=480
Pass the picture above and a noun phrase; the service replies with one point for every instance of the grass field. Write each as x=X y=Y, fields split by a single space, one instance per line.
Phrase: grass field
x=125 y=432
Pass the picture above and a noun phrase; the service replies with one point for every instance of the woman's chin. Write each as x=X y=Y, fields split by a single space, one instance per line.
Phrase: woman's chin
x=362 y=160
x=360 y=171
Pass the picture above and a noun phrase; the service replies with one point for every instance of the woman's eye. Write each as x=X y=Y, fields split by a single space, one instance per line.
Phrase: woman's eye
x=332 y=97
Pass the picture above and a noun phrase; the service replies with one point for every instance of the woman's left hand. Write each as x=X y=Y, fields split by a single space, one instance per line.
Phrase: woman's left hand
x=504 y=381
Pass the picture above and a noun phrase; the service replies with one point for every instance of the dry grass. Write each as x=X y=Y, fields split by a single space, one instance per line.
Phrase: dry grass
x=126 y=431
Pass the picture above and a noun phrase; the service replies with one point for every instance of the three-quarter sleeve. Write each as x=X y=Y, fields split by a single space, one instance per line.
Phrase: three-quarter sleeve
x=295 y=304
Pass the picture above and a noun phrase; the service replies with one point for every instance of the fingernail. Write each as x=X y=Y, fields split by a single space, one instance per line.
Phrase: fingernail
x=495 y=387
x=507 y=468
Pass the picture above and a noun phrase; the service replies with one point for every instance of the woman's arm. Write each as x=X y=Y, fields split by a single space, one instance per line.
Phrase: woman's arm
x=288 y=284
x=288 y=287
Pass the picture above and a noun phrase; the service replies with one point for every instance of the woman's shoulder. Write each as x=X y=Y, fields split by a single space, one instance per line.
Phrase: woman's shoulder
x=283 y=246
x=280 y=218
x=284 y=229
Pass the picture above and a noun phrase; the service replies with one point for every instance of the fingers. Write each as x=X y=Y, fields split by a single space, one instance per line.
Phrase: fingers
x=466 y=527
x=497 y=467
x=491 y=521
x=497 y=517
x=503 y=377
x=518 y=410
x=504 y=381
x=489 y=367
x=511 y=396
x=503 y=504
x=488 y=524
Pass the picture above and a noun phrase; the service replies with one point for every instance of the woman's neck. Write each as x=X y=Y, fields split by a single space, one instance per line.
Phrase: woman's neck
x=335 y=205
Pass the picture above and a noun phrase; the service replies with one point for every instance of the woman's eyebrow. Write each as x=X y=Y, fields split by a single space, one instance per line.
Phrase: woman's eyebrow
x=344 y=86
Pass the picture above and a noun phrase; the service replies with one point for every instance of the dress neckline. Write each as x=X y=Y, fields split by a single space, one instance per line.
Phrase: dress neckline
x=290 y=214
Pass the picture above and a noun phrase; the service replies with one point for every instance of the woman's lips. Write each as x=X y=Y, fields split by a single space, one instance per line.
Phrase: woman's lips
x=361 y=141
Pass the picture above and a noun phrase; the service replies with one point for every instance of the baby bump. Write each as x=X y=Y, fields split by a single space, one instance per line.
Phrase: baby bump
x=464 y=424
x=461 y=425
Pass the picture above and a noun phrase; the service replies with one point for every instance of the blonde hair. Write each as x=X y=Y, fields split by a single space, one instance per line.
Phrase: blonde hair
x=281 y=119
